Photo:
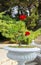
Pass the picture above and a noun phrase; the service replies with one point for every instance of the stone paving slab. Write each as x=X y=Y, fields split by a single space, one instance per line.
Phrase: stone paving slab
x=38 y=40
x=10 y=62
x=3 y=45
x=4 y=60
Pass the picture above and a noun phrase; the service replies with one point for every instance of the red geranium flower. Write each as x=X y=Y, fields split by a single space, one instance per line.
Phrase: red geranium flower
x=27 y=33
x=22 y=17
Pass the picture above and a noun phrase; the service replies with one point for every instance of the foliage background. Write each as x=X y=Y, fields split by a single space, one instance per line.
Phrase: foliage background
x=9 y=26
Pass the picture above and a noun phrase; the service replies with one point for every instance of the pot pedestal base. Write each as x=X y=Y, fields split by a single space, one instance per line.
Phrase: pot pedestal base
x=22 y=58
x=21 y=62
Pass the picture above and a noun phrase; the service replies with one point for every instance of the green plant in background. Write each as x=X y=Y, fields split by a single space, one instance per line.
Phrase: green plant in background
x=31 y=21
x=6 y=4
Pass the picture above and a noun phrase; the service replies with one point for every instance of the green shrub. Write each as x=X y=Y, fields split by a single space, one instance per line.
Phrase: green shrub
x=15 y=30
x=31 y=21
x=34 y=35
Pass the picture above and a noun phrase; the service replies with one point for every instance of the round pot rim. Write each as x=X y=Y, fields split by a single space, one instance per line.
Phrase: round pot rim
x=35 y=49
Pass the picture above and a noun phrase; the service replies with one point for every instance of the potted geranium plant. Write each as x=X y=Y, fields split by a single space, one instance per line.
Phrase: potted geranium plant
x=17 y=32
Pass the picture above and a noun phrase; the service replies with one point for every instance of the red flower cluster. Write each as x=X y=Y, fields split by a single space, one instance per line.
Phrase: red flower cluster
x=22 y=17
x=27 y=33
